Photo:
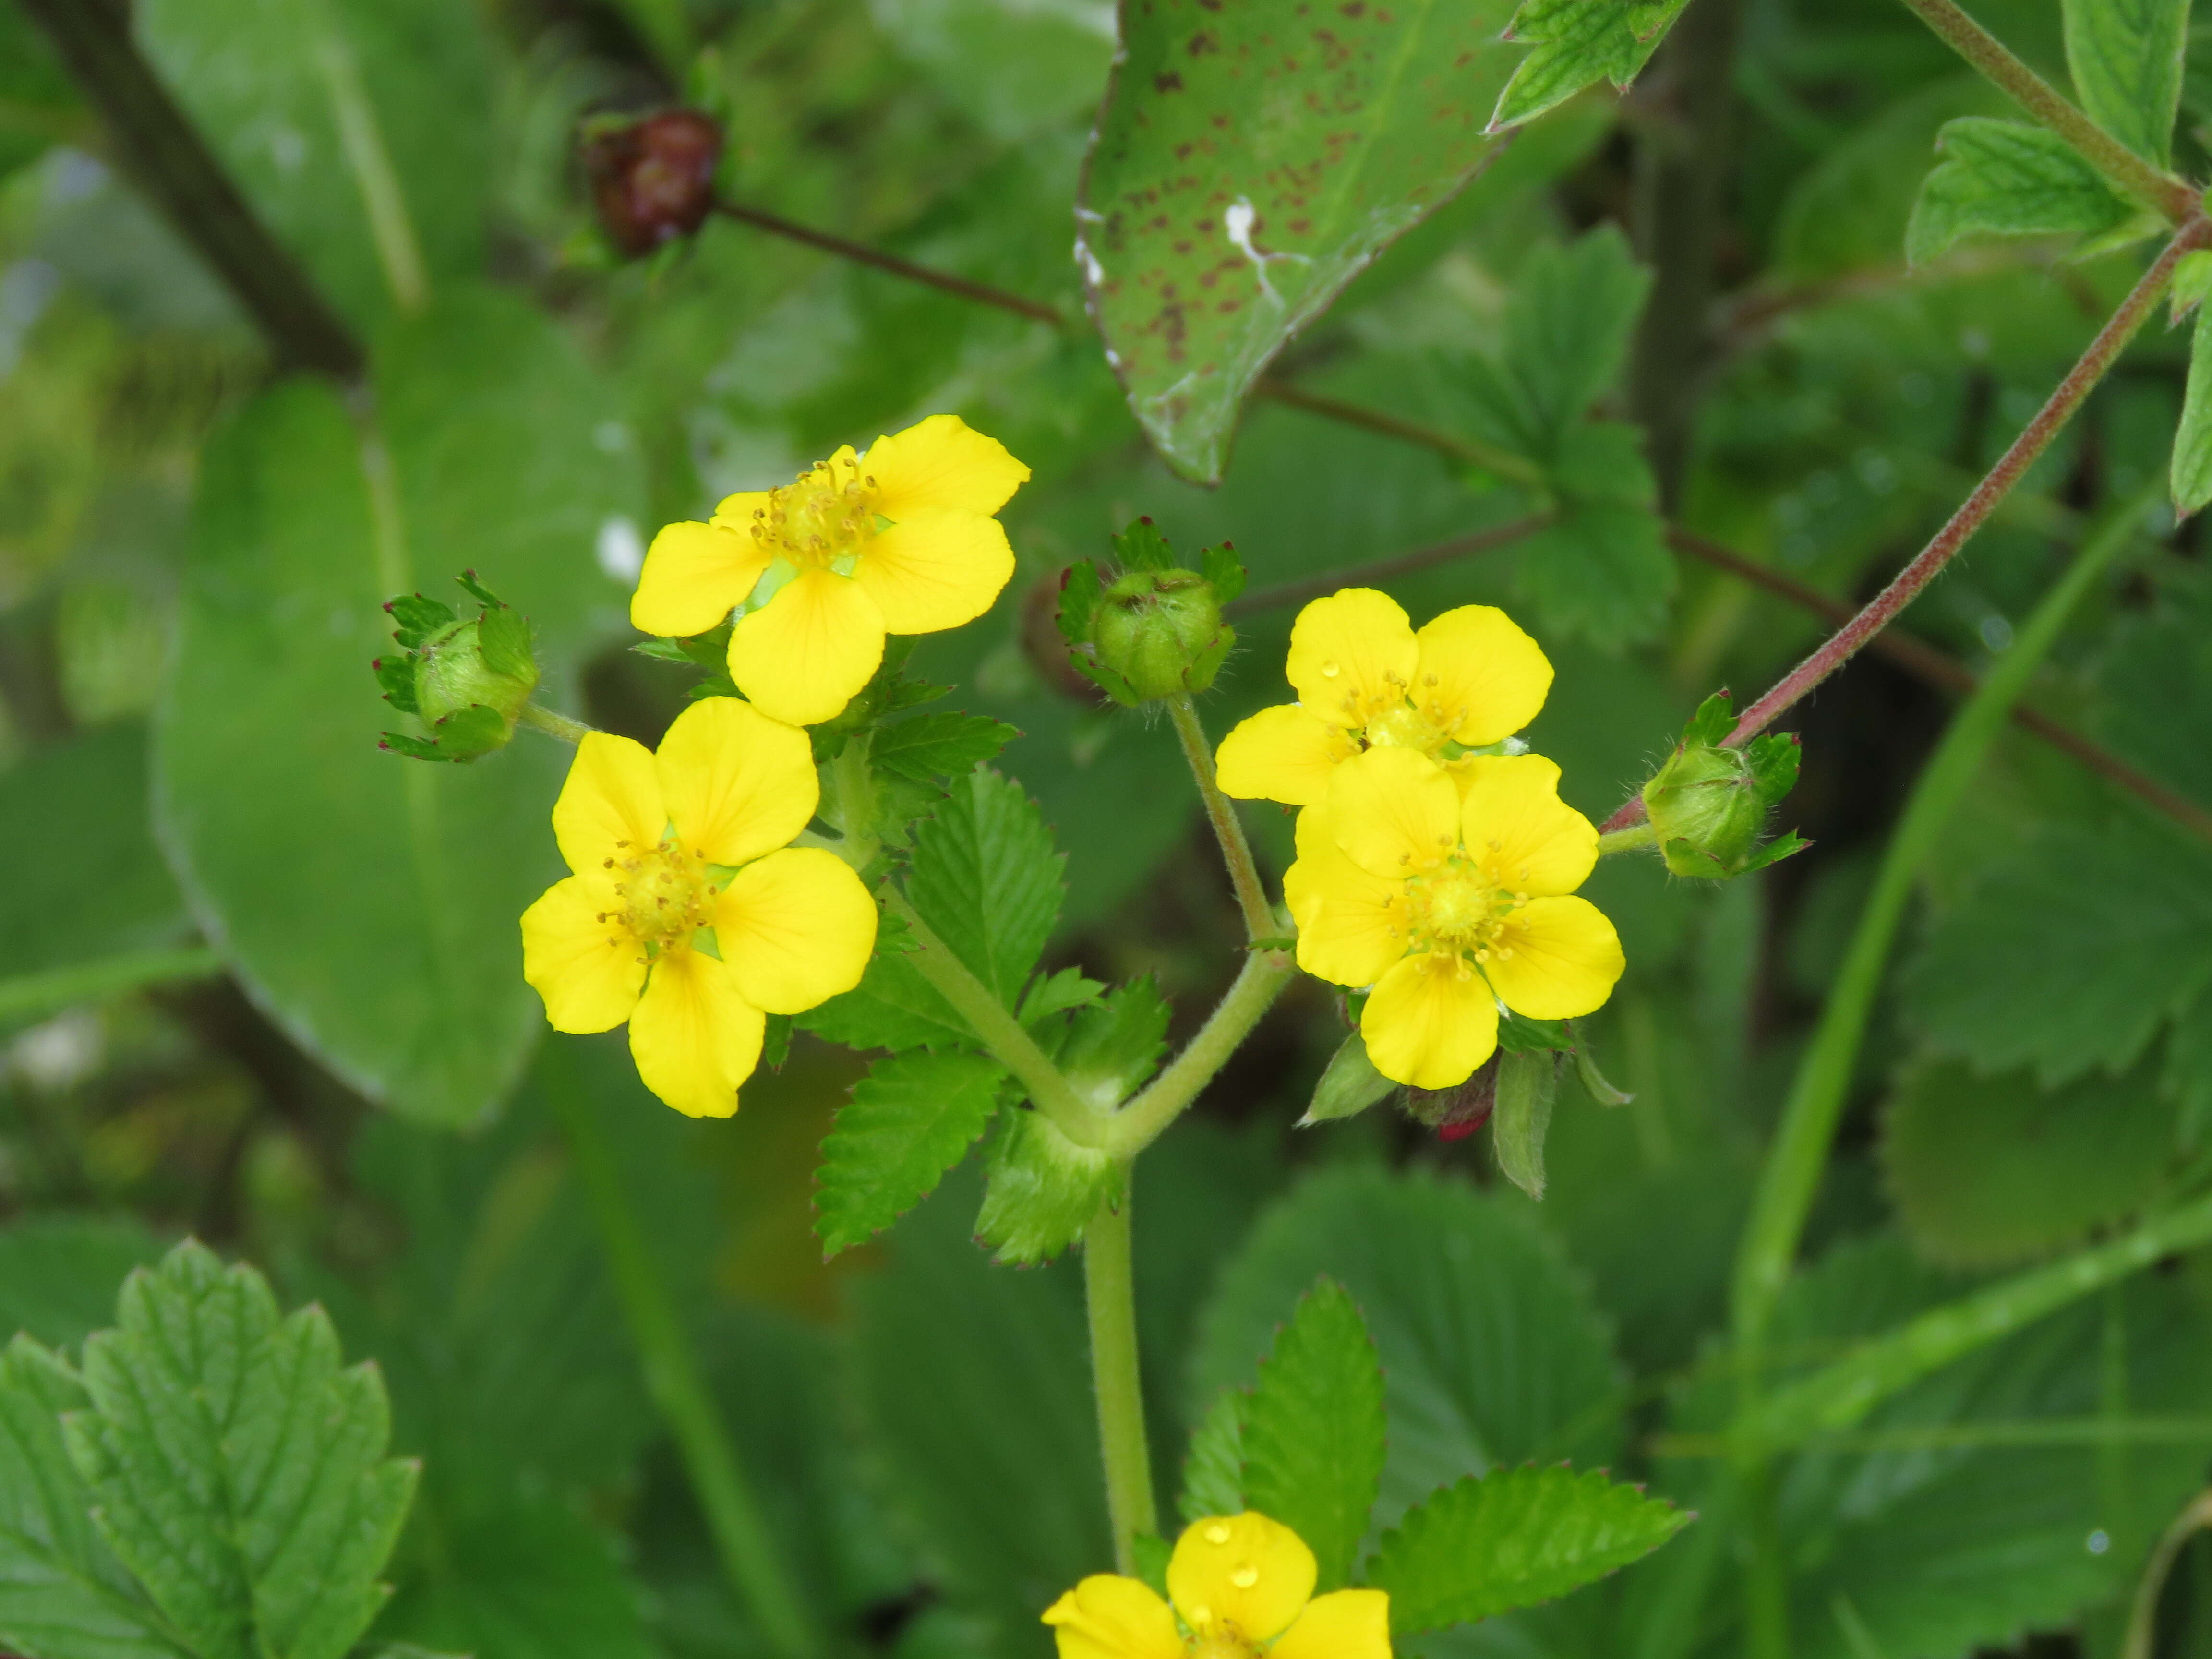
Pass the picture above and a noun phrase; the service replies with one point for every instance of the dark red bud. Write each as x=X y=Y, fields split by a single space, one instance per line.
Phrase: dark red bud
x=653 y=181
x=1461 y=1130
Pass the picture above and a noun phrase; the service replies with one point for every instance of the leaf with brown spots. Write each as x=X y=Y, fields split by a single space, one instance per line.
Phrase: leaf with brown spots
x=1254 y=155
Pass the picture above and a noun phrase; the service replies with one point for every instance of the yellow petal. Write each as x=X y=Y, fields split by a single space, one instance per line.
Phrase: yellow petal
x=1393 y=811
x=736 y=512
x=935 y=569
x=1281 y=754
x=578 y=955
x=1555 y=958
x=1516 y=827
x=1352 y=1624
x=941 y=462
x=694 y=1038
x=796 y=928
x=1243 y=1574
x=802 y=656
x=611 y=807
x=1480 y=679
x=1107 y=1617
x=695 y=575
x=1350 y=923
x=1430 y=1022
x=1352 y=656
x=737 y=784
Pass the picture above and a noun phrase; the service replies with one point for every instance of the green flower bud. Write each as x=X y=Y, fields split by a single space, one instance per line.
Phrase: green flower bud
x=466 y=679
x=1156 y=630
x=1708 y=803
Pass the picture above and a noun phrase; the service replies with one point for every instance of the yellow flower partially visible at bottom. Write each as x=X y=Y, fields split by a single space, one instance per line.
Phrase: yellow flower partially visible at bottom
x=1449 y=897
x=899 y=540
x=690 y=914
x=1240 y=1585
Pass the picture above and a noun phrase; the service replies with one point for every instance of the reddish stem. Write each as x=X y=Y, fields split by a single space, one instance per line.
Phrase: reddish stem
x=2026 y=450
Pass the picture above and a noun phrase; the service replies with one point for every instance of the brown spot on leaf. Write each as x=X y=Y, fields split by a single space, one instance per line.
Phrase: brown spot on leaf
x=1167 y=81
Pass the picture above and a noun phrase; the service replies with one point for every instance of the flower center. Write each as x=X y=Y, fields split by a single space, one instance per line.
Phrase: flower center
x=1222 y=1642
x=1404 y=727
x=1459 y=910
x=820 y=522
x=664 y=892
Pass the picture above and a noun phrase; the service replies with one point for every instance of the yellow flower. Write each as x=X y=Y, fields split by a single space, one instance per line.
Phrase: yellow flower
x=688 y=914
x=1448 y=898
x=1366 y=680
x=1242 y=1585
x=900 y=540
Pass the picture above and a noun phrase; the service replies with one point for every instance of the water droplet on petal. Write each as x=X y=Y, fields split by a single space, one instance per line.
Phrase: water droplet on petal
x=1218 y=1532
x=1245 y=1577
x=1330 y=671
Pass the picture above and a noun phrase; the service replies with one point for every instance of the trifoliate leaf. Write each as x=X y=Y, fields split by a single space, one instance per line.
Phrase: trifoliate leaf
x=63 y=1594
x=1987 y=1171
x=1214 y=1469
x=986 y=879
x=2009 y=178
x=1313 y=1431
x=1579 y=43
x=1512 y=1539
x=940 y=745
x=237 y=1469
x=912 y=1118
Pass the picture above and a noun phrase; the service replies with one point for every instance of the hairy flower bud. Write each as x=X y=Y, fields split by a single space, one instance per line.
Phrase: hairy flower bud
x=1708 y=803
x=466 y=679
x=1156 y=630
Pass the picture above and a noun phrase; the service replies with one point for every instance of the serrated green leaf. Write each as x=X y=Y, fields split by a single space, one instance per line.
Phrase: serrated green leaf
x=1212 y=227
x=1213 y=1467
x=2008 y=179
x=1491 y=1351
x=2127 y=57
x=1313 y=1431
x=1600 y=568
x=911 y=1119
x=1042 y=1189
x=1994 y=986
x=1567 y=330
x=986 y=879
x=1528 y=1084
x=2192 y=439
x=63 y=1594
x=1055 y=994
x=940 y=745
x=1579 y=43
x=240 y=1472
x=1988 y=1171
x=1512 y=1539
x=893 y=1006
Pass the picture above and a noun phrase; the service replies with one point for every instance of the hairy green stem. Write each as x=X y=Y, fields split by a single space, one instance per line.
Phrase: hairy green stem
x=1236 y=851
x=552 y=724
x=1257 y=985
x=1635 y=836
x=674 y=1377
x=2169 y=195
x=998 y=1029
x=2142 y=1618
x=35 y=996
x=854 y=785
x=1109 y=1288
x=1800 y=1152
